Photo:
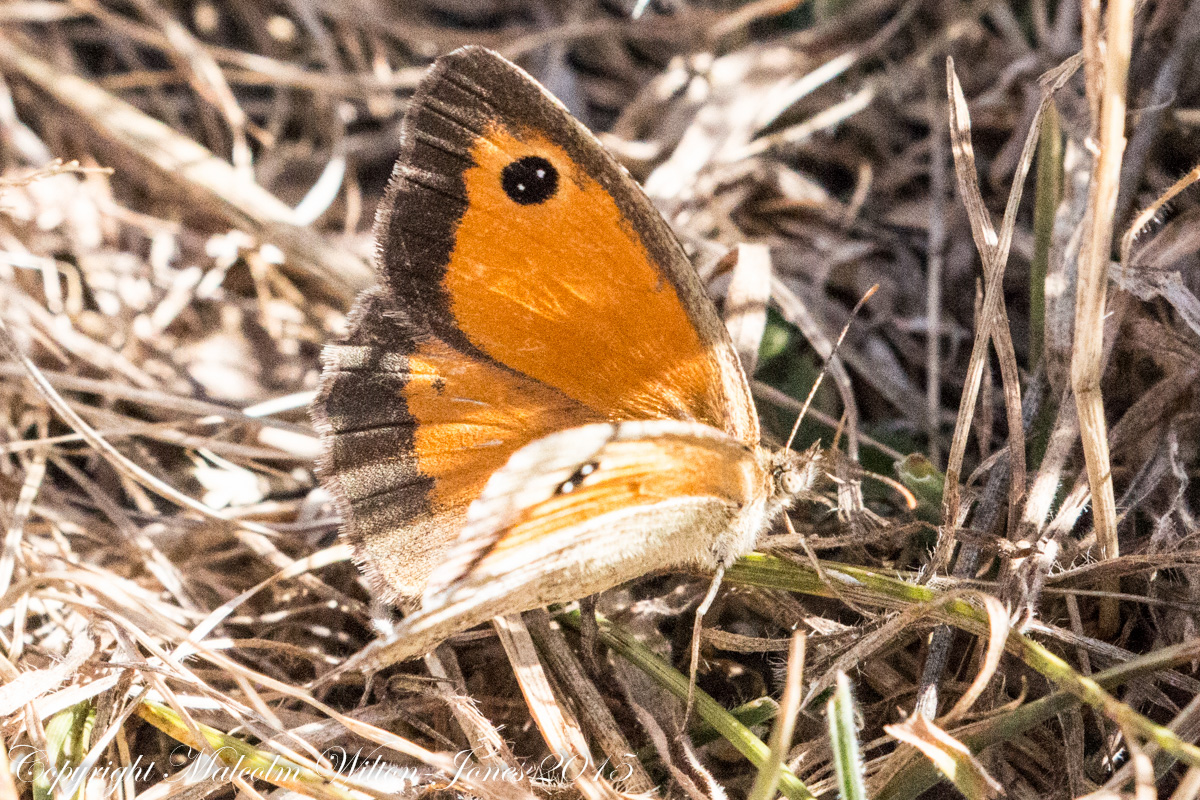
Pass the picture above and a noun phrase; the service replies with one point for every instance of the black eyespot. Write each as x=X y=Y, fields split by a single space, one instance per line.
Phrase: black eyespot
x=572 y=483
x=529 y=180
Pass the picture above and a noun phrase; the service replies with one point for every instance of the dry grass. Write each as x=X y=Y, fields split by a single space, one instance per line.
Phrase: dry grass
x=184 y=219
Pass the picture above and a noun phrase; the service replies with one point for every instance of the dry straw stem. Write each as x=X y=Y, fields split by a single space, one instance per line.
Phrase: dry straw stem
x=952 y=758
x=767 y=779
x=486 y=743
x=211 y=182
x=589 y=703
x=1106 y=68
x=993 y=251
x=558 y=726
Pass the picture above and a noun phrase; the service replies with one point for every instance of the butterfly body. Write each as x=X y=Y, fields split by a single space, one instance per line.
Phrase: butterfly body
x=538 y=402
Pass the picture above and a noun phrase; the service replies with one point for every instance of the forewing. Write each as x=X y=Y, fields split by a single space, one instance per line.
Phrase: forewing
x=585 y=289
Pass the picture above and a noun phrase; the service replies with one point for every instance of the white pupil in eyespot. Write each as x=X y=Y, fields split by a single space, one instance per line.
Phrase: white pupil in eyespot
x=541 y=173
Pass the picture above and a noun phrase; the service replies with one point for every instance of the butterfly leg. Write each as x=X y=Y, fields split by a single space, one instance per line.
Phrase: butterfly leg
x=697 y=627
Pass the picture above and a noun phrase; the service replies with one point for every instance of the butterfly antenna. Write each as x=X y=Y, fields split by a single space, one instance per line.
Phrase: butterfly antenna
x=696 y=629
x=825 y=368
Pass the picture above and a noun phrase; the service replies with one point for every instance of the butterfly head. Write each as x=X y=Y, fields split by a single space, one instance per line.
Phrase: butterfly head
x=793 y=473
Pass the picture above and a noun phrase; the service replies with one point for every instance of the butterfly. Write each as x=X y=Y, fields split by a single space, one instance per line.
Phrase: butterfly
x=538 y=401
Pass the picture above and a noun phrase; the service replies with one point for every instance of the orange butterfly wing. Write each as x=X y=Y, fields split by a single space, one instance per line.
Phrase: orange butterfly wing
x=585 y=509
x=527 y=286
x=412 y=430
x=586 y=290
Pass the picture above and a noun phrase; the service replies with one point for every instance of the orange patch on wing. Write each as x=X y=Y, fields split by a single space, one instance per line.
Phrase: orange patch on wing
x=565 y=292
x=472 y=415
x=639 y=473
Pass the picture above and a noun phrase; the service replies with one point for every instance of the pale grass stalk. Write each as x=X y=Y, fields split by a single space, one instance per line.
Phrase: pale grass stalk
x=560 y=730
x=767 y=780
x=1113 y=57
x=8 y=785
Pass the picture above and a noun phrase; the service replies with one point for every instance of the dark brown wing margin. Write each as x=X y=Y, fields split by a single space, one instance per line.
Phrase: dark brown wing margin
x=367 y=432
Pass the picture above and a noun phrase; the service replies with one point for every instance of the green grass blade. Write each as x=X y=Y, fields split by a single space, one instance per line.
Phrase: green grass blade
x=1046 y=197
x=873 y=588
x=66 y=742
x=742 y=738
x=843 y=739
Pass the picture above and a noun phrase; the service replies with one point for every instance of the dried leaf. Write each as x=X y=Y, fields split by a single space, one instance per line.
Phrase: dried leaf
x=950 y=756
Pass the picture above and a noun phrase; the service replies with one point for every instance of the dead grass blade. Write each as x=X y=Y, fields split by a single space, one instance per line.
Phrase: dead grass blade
x=331 y=555
x=938 y=189
x=949 y=755
x=35 y=474
x=1189 y=787
x=1106 y=71
x=796 y=312
x=558 y=726
x=1049 y=476
x=767 y=779
x=997 y=636
x=210 y=181
x=1062 y=270
x=994 y=253
x=593 y=711
x=486 y=743
x=28 y=686
x=8 y=786
x=746 y=301
x=1150 y=212
x=206 y=77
